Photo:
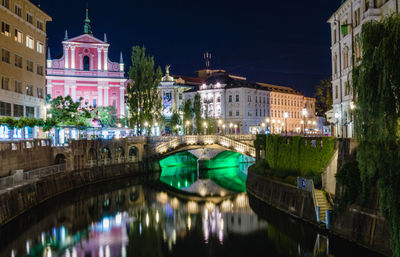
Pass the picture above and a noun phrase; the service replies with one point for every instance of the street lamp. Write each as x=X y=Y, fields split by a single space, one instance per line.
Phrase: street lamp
x=235 y=126
x=205 y=127
x=285 y=115
x=273 y=126
x=302 y=126
x=279 y=126
x=263 y=127
x=230 y=127
x=219 y=125
x=268 y=126
x=223 y=128
x=187 y=127
x=304 y=112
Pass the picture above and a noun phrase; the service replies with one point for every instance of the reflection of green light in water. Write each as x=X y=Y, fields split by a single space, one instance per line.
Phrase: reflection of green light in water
x=225 y=169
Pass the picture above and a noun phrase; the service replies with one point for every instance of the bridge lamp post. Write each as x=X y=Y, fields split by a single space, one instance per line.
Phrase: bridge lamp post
x=279 y=126
x=235 y=126
x=187 y=127
x=219 y=125
x=205 y=128
x=285 y=115
x=230 y=128
x=273 y=126
x=177 y=129
x=223 y=127
x=263 y=127
x=146 y=124
x=304 y=112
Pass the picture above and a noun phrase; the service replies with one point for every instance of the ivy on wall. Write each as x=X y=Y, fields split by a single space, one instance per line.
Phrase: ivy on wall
x=377 y=84
x=298 y=155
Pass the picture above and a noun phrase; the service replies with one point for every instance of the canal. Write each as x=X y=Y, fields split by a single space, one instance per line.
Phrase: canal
x=183 y=211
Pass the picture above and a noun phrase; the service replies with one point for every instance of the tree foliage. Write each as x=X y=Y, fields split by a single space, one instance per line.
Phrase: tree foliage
x=175 y=121
x=143 y=100
x=107 y=115
x=64 y=111
x=323 y=95
x=197 y=112
x=377 y=83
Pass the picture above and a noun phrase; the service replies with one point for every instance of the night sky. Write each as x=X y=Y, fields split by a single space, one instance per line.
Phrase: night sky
x=279 y=42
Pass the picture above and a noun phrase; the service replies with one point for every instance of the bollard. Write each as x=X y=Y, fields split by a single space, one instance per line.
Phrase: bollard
x=318 y=216
x=328 y=219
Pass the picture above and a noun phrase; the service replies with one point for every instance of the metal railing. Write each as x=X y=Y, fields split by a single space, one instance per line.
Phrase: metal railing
x=227 y=142
x=21 y=178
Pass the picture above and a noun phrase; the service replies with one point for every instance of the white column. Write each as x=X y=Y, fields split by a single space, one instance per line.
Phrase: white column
x=49 y=90
x=66 y=90
x=122 y=101
x=100 y=96
x=72 y=57
x=73 y=92
x=105 y=59
x=66 y=56
x=106 y=96
x=99 y=58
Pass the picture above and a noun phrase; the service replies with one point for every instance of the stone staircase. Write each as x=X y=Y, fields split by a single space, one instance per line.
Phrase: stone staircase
x=322 y=203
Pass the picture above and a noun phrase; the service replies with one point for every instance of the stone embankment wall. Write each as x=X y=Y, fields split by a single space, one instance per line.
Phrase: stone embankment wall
x=19 y=200
x=25 y=155
x=284 y=197
x=364 y=227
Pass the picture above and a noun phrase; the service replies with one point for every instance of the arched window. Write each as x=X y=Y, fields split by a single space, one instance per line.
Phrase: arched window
x=86 y=63
x=335 y=64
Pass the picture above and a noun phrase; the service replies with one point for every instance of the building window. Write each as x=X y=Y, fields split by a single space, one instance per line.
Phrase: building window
x=249 y=98
x=5 y=3
x=40 y=92
x=218 y=99
x=29 y=111
x=18 y=110
x=29 y=90
x=18 y=36
x=4 y=83
x=86 y=63
x=230 y=99
x=5 y=55
x=345 y=57
x=335 y=70
x=94 y=103
x=39 y=25
x=40 y=47
x=256 y=99
x=237 y=98
x=29 y=18
x=180 y=96
x=40 y=69
x=18 y=10
x=18 y=86
x=29 y=66
x=5 y=109
x=230 y=113
x=5 y=29
x=18 y=61
x=30 y=42
x=237 y=113
x=256 y=111
x=334 y=36
x=346 y=88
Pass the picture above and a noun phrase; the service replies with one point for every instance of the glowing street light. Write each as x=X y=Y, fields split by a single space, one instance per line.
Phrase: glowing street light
x=187 y=127
x=235 y=126
x=205 y=125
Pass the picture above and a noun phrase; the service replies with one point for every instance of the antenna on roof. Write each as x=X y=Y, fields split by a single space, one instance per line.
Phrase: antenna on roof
x=207 y=58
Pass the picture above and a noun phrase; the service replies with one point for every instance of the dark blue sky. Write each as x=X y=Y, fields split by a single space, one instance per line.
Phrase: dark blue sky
x=278 y=42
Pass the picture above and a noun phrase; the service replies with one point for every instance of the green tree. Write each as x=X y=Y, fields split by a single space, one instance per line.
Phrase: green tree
x=175 y=120
x=64 y=111
x=197 y=112
x=143 y=100
x=323 y=95
x=106 y=115
x=187 y=115
x=377 y=83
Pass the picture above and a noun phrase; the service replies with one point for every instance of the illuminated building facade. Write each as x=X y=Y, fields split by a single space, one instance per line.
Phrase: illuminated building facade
x=84 y=71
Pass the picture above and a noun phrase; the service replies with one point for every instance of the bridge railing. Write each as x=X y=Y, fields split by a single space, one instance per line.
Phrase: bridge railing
x=173 y=142
x=21 y=178
x=102 y=162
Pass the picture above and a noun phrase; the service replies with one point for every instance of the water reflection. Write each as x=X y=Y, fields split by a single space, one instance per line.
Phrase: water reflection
x=137 y=220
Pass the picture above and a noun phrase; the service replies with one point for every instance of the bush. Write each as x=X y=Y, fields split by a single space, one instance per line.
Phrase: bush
x=348 y=178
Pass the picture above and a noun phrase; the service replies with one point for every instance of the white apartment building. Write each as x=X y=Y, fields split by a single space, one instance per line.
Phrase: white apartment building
x=254 y=107
x=346 y=25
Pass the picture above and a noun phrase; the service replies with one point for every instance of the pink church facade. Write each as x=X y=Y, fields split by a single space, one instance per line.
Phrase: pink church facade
x=84 y=71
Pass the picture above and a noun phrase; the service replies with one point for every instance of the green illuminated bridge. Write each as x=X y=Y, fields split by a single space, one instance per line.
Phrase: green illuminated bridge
x=173 y=144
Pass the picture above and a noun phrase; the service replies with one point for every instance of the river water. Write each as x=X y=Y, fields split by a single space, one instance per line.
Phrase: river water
x=180 y=212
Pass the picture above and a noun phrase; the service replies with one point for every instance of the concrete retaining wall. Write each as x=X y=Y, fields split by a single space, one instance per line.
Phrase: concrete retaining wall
x=282 y=196
x=21 y=199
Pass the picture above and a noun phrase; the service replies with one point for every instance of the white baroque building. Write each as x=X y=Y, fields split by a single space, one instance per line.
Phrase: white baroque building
x=346 y=25
x=253 y=107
